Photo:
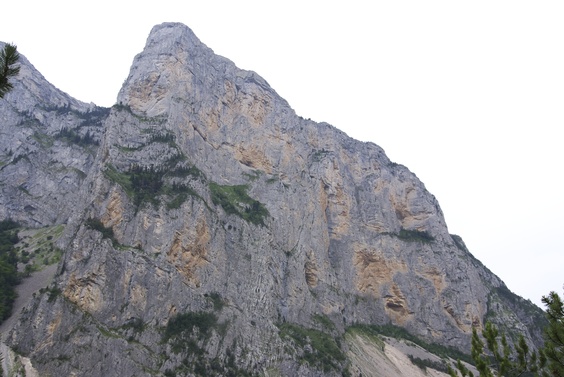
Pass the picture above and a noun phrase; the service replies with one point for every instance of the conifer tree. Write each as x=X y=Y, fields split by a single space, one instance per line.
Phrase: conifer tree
x=554 y=334
x=495 y=357
x=9 y=57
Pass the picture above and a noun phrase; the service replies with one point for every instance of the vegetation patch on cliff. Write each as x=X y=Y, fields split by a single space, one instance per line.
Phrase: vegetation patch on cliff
x=401 y=333
x=235 y=201
x=37 y=249
x=91 y=118
x=23 y=251
x=86 y=133
x=187 y=334
x=9 y=277
x=184 y=330
x=155 y=120
x=150 y=184
x=73 y=136
x=217 y=301
x=316 y=348
x=97 y=225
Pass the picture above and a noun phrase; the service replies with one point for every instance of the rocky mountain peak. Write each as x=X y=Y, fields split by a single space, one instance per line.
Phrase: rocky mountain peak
x=172 y=59
x=215 y=231
x=175 y=66
x=170 y=35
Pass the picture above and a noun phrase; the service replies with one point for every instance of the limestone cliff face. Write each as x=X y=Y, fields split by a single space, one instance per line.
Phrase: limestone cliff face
x=47 y=145
x=212 y=225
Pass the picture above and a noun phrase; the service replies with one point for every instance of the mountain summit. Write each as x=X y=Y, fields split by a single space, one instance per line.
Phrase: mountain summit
x=209 y=230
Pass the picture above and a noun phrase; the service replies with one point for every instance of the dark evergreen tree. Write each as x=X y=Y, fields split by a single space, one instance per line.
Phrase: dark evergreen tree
x=9 y=277
x=495 y=357
x=554 y=334
x=9 y=57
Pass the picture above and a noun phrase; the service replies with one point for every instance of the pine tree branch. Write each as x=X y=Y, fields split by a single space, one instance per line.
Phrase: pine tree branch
x=9 y=57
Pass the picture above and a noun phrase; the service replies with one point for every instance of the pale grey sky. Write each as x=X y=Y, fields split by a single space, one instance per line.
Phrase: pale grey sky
x=468 y=95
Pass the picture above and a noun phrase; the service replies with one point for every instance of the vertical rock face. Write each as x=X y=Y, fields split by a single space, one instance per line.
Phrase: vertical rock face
x=212 y=225
x=47 y=146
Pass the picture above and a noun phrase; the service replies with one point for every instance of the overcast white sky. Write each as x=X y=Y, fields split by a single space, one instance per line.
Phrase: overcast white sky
x=468 y=95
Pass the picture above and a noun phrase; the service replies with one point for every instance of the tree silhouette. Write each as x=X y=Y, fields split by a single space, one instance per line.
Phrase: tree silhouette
x=496 y=358
x=9 y=57
x=554 y=333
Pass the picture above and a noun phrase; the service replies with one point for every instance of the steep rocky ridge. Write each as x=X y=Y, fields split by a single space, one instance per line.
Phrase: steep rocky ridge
x=48 y=141
x=212 y=230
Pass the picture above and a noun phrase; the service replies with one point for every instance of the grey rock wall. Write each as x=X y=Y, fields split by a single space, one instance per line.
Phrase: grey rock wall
x=47 y=146
x=204 y=192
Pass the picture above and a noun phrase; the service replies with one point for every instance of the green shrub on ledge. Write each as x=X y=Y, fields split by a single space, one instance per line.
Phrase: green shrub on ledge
x=320 y=349
x=148 y=184
x=235 y=201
